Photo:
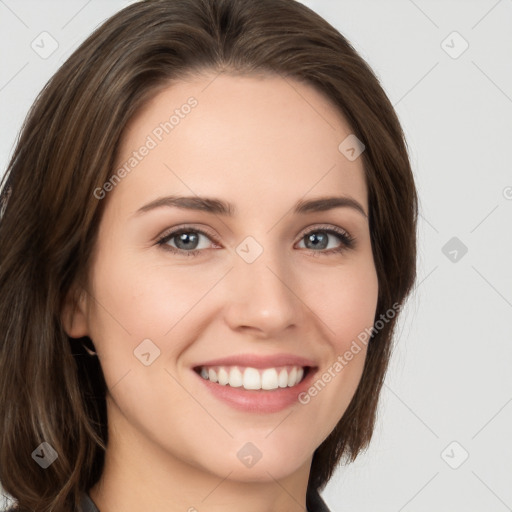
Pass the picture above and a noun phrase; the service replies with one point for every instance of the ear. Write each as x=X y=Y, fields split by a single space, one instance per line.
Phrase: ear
x=74 y=313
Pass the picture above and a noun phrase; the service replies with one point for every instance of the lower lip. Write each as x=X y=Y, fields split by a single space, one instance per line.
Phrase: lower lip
x=260 y=400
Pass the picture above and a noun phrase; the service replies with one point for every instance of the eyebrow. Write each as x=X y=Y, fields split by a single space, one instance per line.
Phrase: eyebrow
x=219 y=207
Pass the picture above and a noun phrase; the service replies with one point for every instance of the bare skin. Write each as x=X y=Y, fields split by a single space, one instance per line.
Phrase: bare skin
x=262 y=145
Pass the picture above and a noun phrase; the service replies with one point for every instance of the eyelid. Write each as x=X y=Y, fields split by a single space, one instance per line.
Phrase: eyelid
x=186 y=227
x=325 y=227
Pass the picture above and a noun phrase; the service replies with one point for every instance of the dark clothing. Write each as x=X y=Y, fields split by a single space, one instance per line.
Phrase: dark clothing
x=314 y=503
x=87 y=505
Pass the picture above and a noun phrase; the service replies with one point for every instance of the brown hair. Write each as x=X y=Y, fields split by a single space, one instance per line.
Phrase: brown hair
x=50 y=390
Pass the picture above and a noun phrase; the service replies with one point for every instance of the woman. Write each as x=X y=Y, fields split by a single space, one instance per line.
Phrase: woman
x=139 y=373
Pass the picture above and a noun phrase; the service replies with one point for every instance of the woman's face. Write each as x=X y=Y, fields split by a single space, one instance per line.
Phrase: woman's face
x=255 y=297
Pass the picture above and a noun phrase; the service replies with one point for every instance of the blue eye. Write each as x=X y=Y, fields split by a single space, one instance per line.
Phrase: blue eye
x=322 y=241
x=186 y=240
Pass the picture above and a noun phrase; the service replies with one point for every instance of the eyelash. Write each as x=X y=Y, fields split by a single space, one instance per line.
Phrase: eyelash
x=347 y=241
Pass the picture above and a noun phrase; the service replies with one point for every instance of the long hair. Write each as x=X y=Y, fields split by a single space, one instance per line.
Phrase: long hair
x=50 y=390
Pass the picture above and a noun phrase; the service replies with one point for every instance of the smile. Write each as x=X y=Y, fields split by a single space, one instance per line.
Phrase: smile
x=254 y=378
x=256 y=383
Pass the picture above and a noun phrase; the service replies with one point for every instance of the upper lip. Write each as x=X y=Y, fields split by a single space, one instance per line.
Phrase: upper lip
x=259 y=361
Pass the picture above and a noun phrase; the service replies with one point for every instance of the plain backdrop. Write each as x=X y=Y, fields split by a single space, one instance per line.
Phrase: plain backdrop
x=443 y=439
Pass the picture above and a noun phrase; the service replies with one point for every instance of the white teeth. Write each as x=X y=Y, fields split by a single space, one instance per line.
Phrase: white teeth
x=235 y=378
x=283 y=379
x=252 y=378
x=223 y=376
x=292 y=377
x=269 y=379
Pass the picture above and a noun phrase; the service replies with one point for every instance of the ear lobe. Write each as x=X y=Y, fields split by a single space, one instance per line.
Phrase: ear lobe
x=73 y=314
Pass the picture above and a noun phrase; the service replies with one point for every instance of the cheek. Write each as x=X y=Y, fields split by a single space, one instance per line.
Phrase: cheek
x=345 y=301
x=135 y=301
x=140 y=301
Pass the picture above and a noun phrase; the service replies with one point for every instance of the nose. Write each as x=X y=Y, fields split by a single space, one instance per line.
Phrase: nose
x=263 y=296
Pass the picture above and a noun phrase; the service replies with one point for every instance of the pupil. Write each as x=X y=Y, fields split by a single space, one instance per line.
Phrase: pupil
x=314 y=238
x=185 y=237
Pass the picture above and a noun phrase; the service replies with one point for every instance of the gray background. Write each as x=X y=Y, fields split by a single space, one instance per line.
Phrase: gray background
x=443 y=440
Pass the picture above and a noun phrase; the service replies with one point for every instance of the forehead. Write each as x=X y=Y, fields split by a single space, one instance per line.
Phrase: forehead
x=244 y=138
